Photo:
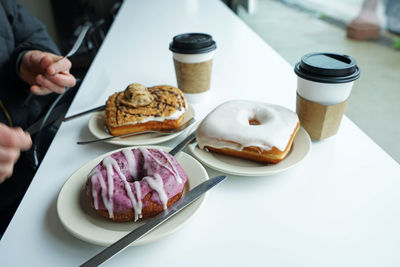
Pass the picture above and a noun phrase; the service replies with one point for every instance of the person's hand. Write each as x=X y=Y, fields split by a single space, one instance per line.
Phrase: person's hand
x=46 y=72
x=12 y=142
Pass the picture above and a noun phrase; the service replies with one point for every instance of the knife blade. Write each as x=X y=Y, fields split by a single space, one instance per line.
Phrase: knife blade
x=183 y=144
x=139 y=232
x=84 y=112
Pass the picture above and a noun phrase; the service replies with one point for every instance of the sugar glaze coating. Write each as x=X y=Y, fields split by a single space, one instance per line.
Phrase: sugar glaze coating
x=122 y=180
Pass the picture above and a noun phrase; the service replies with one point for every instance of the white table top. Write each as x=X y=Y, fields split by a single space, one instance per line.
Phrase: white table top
x=339 y=207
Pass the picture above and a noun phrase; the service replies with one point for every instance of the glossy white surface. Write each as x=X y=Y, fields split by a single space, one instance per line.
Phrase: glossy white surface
x=339 y=207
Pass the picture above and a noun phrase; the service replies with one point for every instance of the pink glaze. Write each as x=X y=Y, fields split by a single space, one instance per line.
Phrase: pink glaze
x=121 y=181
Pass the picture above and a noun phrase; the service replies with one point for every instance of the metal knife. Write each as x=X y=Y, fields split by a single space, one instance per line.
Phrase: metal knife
x=183 y=144
x=139 y=232
x=85 y=112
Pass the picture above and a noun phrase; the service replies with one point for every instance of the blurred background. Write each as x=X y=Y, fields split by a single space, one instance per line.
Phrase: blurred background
x=368 y=30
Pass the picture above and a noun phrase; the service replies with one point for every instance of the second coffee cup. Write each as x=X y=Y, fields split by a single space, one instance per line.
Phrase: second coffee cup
x=324 y=83
x=193 y=55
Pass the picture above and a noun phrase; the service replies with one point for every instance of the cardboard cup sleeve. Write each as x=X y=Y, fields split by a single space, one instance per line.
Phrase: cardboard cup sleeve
x=320 y=121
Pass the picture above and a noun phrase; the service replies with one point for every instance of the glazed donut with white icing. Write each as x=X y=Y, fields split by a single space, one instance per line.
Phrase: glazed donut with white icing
x=135 y=183
x=247 y=129
x=139 y=108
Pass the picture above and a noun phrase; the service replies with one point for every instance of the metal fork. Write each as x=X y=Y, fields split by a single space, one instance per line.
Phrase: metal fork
x=172 y=131
x=74 y=48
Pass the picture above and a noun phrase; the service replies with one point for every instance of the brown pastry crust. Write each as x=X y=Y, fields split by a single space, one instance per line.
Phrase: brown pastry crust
x=150 y=209
x=122 y=119
x=257 y=154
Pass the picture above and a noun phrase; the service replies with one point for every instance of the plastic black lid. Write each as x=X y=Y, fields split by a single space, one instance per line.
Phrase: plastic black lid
x=327 y=68
x=192 y=43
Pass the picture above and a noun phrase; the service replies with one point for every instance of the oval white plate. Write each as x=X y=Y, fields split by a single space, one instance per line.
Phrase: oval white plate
x=83 y=222
x=236 y=166
x=98 y=128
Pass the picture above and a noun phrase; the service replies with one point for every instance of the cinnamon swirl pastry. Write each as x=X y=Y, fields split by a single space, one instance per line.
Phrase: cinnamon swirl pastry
x=139 y=108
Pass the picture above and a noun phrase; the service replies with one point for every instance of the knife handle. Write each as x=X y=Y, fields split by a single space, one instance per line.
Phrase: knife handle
x=84 y=113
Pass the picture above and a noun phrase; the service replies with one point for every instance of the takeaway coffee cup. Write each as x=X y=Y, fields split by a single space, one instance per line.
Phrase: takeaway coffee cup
x=193 y=55
x=324 y=83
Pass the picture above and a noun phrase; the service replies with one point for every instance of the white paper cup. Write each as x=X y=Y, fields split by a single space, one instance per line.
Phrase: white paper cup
x=324 y=93
x=193 y=55
x=324 y=83
x=192 y=59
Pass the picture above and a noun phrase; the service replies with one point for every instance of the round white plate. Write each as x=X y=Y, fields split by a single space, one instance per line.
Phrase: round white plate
x=236 y=166
x=98 y=128
x=83 y=222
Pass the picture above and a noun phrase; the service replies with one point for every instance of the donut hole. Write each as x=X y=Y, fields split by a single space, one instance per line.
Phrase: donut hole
x=143 y=170
x=254 y=121
x=253 y=117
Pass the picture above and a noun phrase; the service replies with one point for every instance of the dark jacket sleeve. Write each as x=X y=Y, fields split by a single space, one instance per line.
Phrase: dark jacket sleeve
x=29 y=34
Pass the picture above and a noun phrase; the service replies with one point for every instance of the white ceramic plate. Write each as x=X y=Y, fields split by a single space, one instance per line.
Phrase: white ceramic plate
x=236 y=166
x=97 y=127
x=83 y=222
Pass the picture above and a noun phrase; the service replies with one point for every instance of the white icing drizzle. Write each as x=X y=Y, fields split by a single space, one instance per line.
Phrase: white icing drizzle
x=157 y=185
x=176 y=173
x=108 y=202
x=128 y=153
x=227 y=126
x=173 y=172
x=145 y=154
x=110 y=182
x=138 y=197
x=112 y=163
x=96 y=174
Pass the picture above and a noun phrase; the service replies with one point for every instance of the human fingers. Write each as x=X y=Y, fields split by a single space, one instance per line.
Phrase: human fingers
x=9 y=155
x=32 y=62
x=22 y=140
x=39 y=90
x=25 y=140
x=62 y=79
x=46 y=83
x=38 y=59
x=59 y=65
x=11 y=141
x=46 y=60
x=6 y=170
x=14 y=137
